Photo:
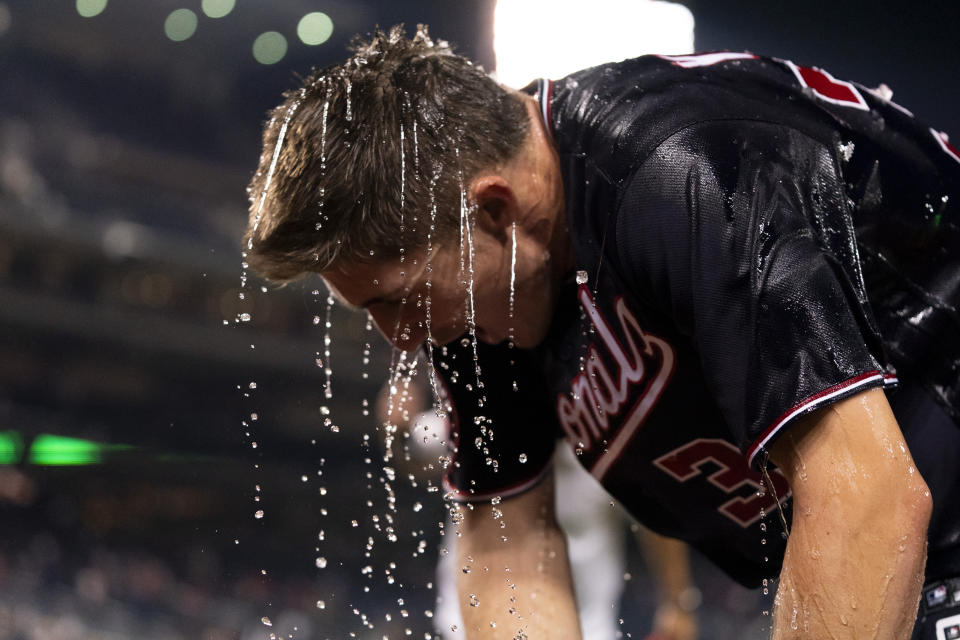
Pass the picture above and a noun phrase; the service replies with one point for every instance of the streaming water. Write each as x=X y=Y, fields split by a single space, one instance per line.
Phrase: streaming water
x=349 y=113
x=435 y=392
x=403 y=178
x=245 y=316
x=513 y=275
x=466 y=231
x=384 y=510
x=273 y=165
x=364 y=373
x=321 y=215
x=773 y=491
x=327 y=368
x=416 y=146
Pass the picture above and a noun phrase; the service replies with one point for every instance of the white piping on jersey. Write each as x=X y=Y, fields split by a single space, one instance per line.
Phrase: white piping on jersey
x=817 y=400
x=690 y=61
x=544 y=93
x=944 y=141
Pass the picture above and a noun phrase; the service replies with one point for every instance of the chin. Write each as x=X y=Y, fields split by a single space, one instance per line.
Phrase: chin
x=440 y=338
x=531 y=337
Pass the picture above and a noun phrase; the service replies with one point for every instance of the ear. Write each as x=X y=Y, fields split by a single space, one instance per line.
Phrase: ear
x=497 y=207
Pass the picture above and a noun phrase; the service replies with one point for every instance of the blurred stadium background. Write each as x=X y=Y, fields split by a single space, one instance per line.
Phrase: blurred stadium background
x=131 y=464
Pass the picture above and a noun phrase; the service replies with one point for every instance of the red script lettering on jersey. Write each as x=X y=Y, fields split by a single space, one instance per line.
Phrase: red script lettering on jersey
x=597 y=396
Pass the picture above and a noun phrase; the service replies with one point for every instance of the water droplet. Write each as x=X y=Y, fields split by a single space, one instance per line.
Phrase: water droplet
x=321 y=563
x=265 y=620
x=523 y=458
x=474 y=601
x=258 y=514
x=321 y=604
x=846 y=151
x=582 y=277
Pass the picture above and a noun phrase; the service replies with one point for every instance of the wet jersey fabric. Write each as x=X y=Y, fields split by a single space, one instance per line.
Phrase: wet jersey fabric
x=755 y=240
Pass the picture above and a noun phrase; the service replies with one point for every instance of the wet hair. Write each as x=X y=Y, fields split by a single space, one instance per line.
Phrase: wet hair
x=355 y=159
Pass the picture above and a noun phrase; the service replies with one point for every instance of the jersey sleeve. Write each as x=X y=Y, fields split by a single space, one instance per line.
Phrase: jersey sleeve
x=503 y=429
x=741 y=232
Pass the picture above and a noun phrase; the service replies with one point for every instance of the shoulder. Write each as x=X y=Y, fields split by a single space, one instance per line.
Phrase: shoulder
x=725 y=166
x=618 y=114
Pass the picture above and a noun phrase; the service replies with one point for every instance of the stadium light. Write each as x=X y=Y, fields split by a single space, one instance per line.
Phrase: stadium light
x=549 y=39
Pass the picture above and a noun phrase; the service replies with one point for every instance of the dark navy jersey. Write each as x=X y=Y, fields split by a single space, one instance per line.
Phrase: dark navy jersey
x=754 y=240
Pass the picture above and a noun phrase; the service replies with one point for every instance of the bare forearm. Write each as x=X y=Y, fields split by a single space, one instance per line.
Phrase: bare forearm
x=855 y=559
x=519 y=587
x=513 y=575
x=857 y=584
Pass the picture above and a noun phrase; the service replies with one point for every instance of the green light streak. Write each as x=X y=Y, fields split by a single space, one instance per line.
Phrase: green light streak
x=50 y=450
x=11 y=447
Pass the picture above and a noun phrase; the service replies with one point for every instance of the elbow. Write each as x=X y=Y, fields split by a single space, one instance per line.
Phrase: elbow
x=917 y=504
x=904 y=512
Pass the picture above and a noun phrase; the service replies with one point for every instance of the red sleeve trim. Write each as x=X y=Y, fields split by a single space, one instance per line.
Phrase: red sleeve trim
x=864 y=380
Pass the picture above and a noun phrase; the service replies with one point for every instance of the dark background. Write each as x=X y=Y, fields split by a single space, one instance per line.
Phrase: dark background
x=124 y=158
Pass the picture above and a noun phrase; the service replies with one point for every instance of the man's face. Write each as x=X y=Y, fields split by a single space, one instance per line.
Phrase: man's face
x=396 y=293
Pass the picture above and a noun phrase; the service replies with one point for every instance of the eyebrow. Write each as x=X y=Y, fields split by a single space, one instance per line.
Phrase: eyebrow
x=373 y=300
x=390 y=297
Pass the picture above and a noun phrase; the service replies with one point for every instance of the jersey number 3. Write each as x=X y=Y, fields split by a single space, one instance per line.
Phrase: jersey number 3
x=732 y=476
